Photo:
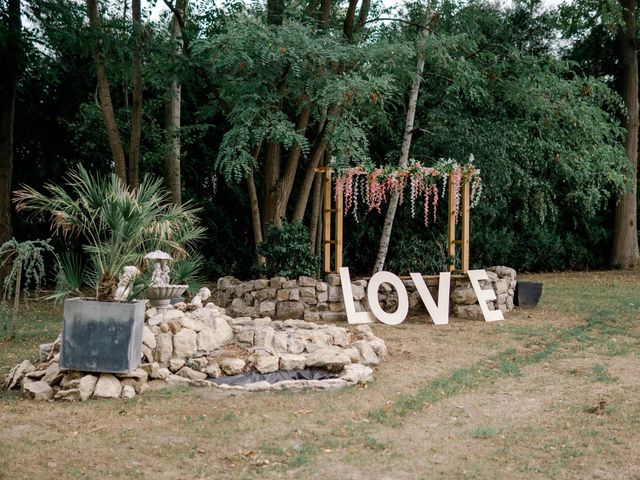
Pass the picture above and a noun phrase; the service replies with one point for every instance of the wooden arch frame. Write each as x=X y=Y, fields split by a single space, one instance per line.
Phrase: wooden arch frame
x=330 y=207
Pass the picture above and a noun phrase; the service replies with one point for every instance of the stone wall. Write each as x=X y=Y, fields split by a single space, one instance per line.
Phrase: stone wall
x=313 y=300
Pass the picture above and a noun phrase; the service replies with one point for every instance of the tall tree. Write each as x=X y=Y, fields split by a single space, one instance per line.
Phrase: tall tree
x=172 y=174
x=104 y=93
x=625 y=237
x=385 y=237
x=136 y=102
x=10 y=43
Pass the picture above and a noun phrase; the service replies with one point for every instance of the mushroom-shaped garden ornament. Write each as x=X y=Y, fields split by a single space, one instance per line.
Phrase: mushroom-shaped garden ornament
x=160 y=277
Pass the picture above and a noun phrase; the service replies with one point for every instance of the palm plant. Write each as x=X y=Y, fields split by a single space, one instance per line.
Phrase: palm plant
x=119 y=225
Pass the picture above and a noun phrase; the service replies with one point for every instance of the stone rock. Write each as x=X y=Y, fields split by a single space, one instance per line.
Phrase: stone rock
x=492 y=276
x=311 y=316
x=192 y=323
x=71 y=394
x=358 y=291
x=267 y=363
x=357 y=373
x=266 y=294
x=246 y=335
x=150 y=313
x=157 y=319
x=367 y=354
x=148 y=338
x=185 y=343
x=289 y=361
x=336 y=307
x=330 y=358
x=108 y=386
x=44 y=351
x=464 y=296
x=335 y=294
x=334 y=317
x=267 y=308
x=191 y=374
x=17 y=373
x=289 y=310
x=301 y=324
x=323 y=297
x=340 y=336
x=503 y=272
x=52 y=375
x=177 y=380
x=280 y=341
x=37 y=375
x=282 y=295
x=151 y=369
x=164 y=348
x=365 y=331
x=222 y=331
x=128 y=392
x=206 y=340
x=164 y=373
x=296 y=345
x=164 y=328
x=38 y=390
x=333 y=279
x=501 y=287
x=262 y=322
x=304 y=281
x=213 y=370
x=322 y=286
x=176 y=364
x=174 y=326
x=173 y=314
x=226 y=282
x=87 y=386
x=71 y=379
x=260 y=284
x=147 y=354
x=353 y=354
x=290 y=284
x=263 y=338
x=378 y=346
x=276 y=282
x=472 y=312
x=232 y=366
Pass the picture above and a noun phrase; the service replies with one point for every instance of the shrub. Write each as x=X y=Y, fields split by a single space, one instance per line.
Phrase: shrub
x=288 y=252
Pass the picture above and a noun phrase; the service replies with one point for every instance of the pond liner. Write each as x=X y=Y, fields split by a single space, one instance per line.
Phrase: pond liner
x=274 y=377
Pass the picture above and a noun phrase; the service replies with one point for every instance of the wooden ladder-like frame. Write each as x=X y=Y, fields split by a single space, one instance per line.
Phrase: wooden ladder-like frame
x=337 y=242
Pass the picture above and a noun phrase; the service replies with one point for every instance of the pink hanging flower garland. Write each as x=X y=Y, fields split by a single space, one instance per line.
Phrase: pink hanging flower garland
x=422 y=181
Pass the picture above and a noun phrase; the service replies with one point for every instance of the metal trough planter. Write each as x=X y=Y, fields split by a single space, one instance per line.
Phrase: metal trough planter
x=101 y=336
x=527 y=294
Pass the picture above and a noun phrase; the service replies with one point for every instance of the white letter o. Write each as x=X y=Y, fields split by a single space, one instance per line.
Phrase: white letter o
x=400 y=314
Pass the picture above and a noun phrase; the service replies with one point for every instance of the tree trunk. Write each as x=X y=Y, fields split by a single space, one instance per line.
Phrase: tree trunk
x=625 y=234
x=385 y=237
x=271 y=176
x=172 y=174
x=316 y=207
x=255 y=214
x=104 y=94
x=285 y=184
x=9 y=59
x=136 y=104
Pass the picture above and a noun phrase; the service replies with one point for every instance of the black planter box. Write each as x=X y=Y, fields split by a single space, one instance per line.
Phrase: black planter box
x=101 y=336
x=527 y=294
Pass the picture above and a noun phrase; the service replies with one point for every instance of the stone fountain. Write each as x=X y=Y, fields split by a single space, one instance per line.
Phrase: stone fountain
x=161 y=291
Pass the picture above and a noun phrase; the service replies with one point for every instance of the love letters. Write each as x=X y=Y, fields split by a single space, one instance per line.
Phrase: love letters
x=439 y=312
